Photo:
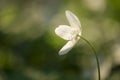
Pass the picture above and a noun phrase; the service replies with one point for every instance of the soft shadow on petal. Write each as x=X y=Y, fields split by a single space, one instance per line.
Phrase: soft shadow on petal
x=73 y=20
x=67 y=47
x=64 y=32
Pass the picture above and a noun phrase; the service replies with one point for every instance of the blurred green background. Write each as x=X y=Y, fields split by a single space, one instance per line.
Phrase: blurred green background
x=29 y=46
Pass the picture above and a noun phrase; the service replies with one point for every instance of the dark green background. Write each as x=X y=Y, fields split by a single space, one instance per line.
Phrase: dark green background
x=29 y=47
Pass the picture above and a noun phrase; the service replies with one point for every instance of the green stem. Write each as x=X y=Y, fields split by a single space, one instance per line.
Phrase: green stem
x=98 y=65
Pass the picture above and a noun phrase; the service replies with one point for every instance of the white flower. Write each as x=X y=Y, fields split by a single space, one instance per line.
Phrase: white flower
x=71 y=33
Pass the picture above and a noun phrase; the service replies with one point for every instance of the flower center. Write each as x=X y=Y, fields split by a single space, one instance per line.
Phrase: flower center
x=75 y=34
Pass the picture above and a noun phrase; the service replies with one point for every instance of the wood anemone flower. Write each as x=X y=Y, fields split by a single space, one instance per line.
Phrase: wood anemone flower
x=70 y=33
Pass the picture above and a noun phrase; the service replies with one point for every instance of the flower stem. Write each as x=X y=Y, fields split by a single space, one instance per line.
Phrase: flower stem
x=98 y=65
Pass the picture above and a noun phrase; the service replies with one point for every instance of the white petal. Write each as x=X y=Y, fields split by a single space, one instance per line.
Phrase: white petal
x=64 y=32
x=73 y=20
x=67 y=47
